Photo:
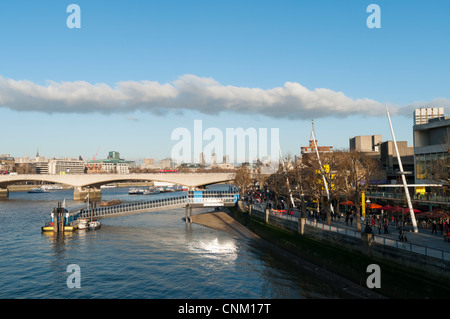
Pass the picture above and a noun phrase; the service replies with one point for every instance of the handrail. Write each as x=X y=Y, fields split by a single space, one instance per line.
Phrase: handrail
x=400 y=196
x=415 y=248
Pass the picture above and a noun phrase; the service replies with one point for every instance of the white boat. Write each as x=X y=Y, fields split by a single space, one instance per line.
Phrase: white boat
x=135 y=191
x=38 y=190
x=94 y=224
x=108 y=186
x=52 y=187
x=83 y=224
x=153 y=191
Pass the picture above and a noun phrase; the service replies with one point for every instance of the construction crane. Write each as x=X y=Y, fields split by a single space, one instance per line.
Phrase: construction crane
x=93 y=158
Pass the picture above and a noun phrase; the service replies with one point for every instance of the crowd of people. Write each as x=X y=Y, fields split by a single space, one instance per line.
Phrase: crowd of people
x=374 y=221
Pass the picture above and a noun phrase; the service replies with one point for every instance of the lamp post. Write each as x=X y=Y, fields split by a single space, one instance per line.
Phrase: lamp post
x=368 y=229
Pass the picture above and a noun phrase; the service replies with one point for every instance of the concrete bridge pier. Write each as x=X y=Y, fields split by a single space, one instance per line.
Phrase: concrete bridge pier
x=4 y=193
x=188 y=214
x=80 y=193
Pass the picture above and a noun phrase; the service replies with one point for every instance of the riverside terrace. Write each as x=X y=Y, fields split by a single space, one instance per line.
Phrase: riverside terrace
x=84 y=184
x=427 y=253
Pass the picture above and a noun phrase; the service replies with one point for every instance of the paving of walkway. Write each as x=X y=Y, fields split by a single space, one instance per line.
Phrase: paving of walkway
x=424 y=237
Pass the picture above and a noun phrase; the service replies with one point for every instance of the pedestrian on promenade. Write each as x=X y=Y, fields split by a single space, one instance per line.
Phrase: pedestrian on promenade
x=402 y=236
x=446 y=232
x=386 y=228
x=379 y=226
x=441 y=226
x=433 y=227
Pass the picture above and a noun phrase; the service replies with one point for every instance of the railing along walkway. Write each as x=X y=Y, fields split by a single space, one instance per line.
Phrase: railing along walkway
x=379 y=239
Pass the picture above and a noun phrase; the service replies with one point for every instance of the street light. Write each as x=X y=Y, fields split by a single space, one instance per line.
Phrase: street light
x=368 y=229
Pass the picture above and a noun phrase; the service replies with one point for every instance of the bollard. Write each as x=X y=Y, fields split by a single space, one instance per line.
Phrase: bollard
x=301 y=225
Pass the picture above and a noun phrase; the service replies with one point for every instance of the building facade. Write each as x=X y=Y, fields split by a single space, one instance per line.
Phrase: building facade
x=65 y=166
x=390 y=164
x=366 y=144
x=431 y=147
x=307 y=151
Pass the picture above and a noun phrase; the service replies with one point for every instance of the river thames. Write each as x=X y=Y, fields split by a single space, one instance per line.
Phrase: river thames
x=145 y=256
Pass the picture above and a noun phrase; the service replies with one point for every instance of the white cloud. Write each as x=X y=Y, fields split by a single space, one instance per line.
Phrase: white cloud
x=190 y=92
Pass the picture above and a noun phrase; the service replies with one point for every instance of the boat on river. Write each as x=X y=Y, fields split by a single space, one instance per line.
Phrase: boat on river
x=95 y=224
x=83 y=224
x=135 y=191
x=39 y=190
x=69 y=218
x=152 y=191
x=110 y=203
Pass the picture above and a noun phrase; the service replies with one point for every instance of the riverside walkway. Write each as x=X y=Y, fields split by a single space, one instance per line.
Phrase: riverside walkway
x=423 y=241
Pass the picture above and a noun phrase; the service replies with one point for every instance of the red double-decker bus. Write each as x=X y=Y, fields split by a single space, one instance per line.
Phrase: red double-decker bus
x=168 y=171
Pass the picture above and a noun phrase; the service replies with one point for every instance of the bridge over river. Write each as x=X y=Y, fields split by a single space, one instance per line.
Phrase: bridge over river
x=84 y=184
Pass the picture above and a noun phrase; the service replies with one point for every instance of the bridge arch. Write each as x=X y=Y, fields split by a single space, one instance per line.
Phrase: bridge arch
x=90 y=183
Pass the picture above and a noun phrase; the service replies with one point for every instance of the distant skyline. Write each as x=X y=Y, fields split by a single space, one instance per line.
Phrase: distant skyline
x=135 y=71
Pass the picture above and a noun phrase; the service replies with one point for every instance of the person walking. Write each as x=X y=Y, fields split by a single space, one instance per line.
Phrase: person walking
x=433 y=227
x=386 y=227
x=446 y=232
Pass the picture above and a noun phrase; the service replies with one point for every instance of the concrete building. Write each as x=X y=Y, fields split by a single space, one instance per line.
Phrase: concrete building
x=113 y=164
x=7 y=163
x=389 y=161
x=107 y=166
x=369 y=144
x=213 y=160
x=373 y=146
x=431 y=146
x=65 y=166
x=166 y=163
x=36 y=165
x=423 y=115
x=149 y=163
x=202 y=159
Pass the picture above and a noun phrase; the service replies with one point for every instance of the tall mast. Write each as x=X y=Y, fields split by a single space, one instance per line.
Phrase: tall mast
x=405 y=186
x=287 y=179
x=320 y=167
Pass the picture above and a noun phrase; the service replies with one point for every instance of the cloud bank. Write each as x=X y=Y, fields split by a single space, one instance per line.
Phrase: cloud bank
x=190 y=92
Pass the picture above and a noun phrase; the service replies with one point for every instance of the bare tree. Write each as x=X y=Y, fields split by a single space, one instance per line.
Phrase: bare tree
x=260 y=177
x=356 y=170
x=243 y=179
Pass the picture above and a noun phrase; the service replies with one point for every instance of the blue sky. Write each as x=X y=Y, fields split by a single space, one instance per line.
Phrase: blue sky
x=234 y=46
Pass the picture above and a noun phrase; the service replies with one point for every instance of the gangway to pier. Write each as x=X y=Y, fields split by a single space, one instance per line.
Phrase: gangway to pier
x=133 y=208
x=194 y=199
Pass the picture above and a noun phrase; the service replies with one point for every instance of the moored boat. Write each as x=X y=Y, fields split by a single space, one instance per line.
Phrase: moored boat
x=135 y=191
x=38 y=190
x=111 y=203
x=83 y=224
x=153 y=190
x=94 y=224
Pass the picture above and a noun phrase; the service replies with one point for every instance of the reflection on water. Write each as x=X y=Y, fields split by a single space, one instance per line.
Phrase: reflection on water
x=215 y=249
